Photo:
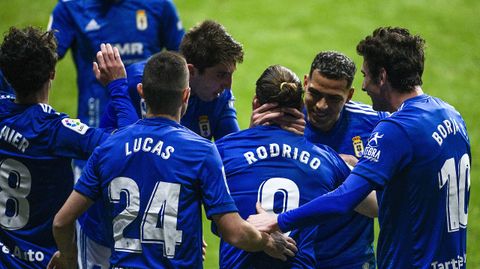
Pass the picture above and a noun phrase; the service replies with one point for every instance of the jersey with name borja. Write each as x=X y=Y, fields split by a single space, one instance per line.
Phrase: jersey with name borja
x=420 y=157
x=36 y=147
x=152 y=178
x=282 y=171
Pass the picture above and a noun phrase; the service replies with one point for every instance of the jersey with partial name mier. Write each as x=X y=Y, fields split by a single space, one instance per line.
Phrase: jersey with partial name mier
x=137 y=28
x=179 y=171
x=36 y=147
x=349 y=135
x=420 y=158
x=281 y=170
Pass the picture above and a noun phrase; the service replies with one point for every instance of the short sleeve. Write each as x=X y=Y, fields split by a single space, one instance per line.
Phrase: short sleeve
x=89 y=182
x=388 y=151
x=216 y=197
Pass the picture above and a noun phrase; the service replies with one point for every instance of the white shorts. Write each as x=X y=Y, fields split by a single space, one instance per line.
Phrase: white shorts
x=90 y=254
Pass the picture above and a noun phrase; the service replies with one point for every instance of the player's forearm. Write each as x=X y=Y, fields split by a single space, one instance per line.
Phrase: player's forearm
x=64 y=233
x=248 y=238
x=338 y=202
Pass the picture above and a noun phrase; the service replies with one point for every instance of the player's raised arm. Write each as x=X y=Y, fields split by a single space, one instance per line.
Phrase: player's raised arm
x=239 y=233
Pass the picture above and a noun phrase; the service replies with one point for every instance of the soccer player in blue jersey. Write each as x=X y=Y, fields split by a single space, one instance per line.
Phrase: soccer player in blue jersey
x=212 y=56
x=153 y=177
x=283 y=170
x=333 y=119
x=419 y=157
x=37 y=144
x=137 y=28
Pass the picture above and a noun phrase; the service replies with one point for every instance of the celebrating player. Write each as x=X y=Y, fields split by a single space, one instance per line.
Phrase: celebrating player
x=333 y=119
x=37 y=144
x=419 y=157
x=281 y=170
x=154 y=215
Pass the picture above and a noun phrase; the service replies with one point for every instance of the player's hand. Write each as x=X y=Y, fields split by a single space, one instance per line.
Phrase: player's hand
x=264 y=221
x=204 y=249
x=287 y=118
x=280 y=246
x=109 y=65
x=349 y=159
x=293 y=120
x=263 y=114
x=59 y=261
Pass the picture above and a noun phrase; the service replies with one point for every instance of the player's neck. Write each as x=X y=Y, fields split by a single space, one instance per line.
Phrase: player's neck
x=38 y=97
x=175 y=118
x=399 y=98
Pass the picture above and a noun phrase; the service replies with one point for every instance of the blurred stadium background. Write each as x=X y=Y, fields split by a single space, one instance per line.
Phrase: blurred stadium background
x=290 y=33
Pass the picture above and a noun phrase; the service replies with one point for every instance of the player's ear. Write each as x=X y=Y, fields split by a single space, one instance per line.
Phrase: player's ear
x=186 y=95
x=255 y=103
x=52 y=75
x=382 y=76
x=350 y=94
x=191 y=70
x=305 y=81
x=140 y=90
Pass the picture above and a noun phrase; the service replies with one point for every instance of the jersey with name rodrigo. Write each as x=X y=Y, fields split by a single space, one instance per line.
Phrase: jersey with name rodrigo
x=152 y=178
x=36 y=147
x=282 y=171
x=349 y=135
x=420 y=157
x=137 y=28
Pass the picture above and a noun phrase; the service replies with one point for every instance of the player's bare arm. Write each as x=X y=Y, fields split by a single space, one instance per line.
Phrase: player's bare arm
x=64 y=231
x=239 y=233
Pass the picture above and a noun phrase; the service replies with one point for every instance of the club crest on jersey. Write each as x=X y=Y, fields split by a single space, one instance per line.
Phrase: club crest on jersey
x=371 y=152
x=75 y=125
x=204 y=125
x=358 y=146
x=142 y=22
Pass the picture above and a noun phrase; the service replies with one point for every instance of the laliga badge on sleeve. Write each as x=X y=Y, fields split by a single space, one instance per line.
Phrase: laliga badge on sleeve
x=75 y=125
x=204 y=125
x=357 y=146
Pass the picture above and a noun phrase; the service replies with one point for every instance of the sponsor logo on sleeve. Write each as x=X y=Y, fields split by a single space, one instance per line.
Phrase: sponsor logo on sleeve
x=371 y=152
x=75 y=125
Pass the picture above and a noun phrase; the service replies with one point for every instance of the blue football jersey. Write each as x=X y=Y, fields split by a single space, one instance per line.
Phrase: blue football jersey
x=36 y=147
x=213 y=119
x=349 y=135
x=152 y=178
x=6 y=91
x=420 y=158
x=282 y=171
x=137 y=28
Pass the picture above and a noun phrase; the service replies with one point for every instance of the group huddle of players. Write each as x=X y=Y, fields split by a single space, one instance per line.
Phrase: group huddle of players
x=147 y=130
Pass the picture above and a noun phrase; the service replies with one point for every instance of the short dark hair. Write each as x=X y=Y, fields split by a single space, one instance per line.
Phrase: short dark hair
x=164 y=78
x=208 y=44
x=278 y=84
x=27 y=58
x=334 y=65
x=398 y=52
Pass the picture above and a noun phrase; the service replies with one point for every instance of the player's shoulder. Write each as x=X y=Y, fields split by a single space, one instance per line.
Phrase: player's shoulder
x=361 y=110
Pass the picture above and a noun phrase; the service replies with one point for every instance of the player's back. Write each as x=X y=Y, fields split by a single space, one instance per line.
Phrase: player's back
x=34 y=183
x=154 y=176
x=424 y=208
x=282 y=171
